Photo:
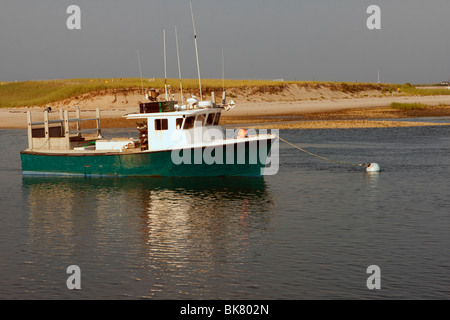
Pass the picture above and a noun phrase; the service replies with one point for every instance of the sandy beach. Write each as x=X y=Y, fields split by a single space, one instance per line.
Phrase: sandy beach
x=290 y=109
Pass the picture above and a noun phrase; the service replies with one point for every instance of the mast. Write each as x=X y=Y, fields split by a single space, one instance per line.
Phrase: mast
x=179 y=66
x=165 y=65
x=223 y=73
x=196 y=53
x=140 y=72
x=224 y=95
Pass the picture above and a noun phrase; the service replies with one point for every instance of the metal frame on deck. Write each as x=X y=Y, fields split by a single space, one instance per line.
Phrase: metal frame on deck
x=65 y=130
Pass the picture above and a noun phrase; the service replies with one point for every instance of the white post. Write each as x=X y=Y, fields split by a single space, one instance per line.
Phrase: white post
x=30 y=131
x=61 y=117
x=66 y=129
x=99 y=130
x=46 y=128
x=77 y=108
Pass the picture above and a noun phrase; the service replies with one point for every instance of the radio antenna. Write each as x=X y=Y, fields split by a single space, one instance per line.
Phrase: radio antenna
x=223 y=73
x=140 y=72
x=165 y=65
x=224 y=94
x=179 y=66
x=196 y=53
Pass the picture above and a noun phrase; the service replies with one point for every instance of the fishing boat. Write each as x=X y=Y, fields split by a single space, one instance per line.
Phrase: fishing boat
x=174 y=140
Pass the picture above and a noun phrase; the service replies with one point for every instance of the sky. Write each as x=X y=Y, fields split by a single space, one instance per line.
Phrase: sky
x=304 y=40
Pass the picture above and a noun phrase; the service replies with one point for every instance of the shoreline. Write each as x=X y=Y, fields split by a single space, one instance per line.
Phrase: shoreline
x=373 y=112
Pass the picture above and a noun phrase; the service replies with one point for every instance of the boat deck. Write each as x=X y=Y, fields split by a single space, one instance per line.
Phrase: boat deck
x=83 y=152
x=211 y=144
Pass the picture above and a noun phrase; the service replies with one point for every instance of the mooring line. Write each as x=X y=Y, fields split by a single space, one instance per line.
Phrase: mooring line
x=320 y=157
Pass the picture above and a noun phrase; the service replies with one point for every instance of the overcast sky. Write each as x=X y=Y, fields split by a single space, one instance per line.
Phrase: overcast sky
x=322 y=40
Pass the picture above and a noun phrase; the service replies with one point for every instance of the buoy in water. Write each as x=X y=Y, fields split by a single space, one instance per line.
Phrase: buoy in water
x=373 y=167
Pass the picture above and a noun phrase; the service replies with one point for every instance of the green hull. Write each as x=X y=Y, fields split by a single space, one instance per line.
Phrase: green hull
x=145 y=163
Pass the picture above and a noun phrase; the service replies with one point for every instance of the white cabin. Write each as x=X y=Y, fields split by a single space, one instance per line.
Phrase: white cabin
x=175 y=129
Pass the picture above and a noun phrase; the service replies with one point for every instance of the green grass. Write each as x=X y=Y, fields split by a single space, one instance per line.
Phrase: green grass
x=413 y=91
x=40 y=93
x=407 y=106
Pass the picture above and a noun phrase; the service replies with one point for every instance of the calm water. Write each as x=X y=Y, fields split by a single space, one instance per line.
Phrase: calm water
x=309 y=232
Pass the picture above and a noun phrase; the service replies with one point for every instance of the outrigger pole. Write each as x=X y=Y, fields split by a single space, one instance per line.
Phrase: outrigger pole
x=196 y=53
x=179 y=66
x=165 y=65
x=140 y=72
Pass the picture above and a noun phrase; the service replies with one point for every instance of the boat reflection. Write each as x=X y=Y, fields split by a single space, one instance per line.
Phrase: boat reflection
x=157 y=223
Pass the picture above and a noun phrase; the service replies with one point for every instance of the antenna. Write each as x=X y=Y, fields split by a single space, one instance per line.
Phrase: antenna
x=223 y=73
x=140 y=72
x=224 y=95
x=196 y=53
x=165 y=67
x=179 y=66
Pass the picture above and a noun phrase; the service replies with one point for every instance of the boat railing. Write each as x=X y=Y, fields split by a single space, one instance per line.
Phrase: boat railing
x=41 y=135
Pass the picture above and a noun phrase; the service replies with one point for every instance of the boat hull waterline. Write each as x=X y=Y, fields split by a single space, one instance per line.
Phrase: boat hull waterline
x=159 y=163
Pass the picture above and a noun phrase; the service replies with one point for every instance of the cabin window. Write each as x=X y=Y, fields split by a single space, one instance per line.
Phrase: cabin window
x=210 y=119
x=189 y=123
x=200 y=120
x=179 y=123
x=161 y=124
x=216 y=120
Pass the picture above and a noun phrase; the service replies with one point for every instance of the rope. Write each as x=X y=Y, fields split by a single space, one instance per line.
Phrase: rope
x=45 y=142
x=320 y=157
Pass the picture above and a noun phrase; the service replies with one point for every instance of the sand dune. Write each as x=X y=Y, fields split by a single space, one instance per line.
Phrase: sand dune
x=291 y=104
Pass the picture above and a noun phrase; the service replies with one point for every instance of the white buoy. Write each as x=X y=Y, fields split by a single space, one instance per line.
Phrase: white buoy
x=373 y=167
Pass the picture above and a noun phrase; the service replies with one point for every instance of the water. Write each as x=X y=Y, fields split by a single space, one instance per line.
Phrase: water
x=309 y=232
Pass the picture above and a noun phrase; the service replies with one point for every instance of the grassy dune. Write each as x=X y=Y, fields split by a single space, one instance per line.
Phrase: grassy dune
x=39 y=93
